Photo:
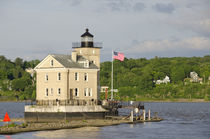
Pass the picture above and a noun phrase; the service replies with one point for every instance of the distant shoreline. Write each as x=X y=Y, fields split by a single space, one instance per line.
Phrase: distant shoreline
x=15 y=101
x=142 y=100
x=175 y=100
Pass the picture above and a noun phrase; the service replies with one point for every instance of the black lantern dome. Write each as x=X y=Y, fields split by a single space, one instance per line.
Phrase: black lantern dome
x=87 y=39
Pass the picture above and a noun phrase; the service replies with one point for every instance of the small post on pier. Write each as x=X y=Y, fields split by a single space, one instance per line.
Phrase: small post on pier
x=131 y=117
x=106 y=94
x=136 y=112
x=144 y=114
x=149 y=115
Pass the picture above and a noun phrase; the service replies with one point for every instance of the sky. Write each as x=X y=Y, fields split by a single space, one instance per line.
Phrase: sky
x=32 y=29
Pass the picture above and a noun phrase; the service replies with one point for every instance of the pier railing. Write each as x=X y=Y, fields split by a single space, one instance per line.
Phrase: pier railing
x=64 y=102
x=123 y=104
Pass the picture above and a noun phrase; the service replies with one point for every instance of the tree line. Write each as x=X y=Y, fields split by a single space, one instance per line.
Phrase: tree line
x=15 y=82
x=134 y=78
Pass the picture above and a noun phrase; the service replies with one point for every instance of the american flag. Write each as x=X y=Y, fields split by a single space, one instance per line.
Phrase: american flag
x=119 y=56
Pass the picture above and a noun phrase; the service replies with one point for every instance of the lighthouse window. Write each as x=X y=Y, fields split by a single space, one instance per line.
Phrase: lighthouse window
x=46 y=77
x=86 y=92
x=76 y=76
x=46 y=93
x=59 y=91
x=51 y=62
x=86 y=77
x=86 y=64
x=51 y=91
x=59 y=76
x=90 y=92
x=76 y=92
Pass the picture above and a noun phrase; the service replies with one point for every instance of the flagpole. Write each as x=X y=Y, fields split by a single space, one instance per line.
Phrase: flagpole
x=112 y=78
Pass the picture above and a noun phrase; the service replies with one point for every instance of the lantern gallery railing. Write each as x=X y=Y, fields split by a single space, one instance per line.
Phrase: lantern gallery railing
x=95 y=44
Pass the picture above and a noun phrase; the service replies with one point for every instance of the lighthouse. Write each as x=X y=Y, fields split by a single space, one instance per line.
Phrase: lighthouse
x=68 y=86
x=87 y=39
x=88 y=49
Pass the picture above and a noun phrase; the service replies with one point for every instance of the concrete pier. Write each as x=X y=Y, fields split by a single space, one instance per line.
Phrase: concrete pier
x=149 y=115
x=131 y=117
x=33 y=126
x=144 y=115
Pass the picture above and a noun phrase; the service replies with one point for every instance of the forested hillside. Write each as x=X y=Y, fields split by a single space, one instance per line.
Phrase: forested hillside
x=134 y=78
x=15 y=82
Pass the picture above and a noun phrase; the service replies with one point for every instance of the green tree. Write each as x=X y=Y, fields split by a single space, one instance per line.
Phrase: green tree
x=19 y=62
x=177 y=74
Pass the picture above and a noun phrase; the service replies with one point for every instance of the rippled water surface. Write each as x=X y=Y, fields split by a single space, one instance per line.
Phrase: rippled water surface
x=182 y=121
x=14 y=110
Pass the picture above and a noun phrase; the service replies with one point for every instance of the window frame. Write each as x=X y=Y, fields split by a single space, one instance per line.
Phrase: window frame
x=90 y=94
x=46 y=92
x=51 y=63
x=76 y=92
x=51 y=91
x=59 y=76
x=86 y=92
x=86 y=77
x=46 y=77
x=59 y=91
x=86 y=64
x=76 y=76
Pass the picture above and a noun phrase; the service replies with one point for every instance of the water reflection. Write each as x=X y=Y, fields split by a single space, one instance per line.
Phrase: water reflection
x=8 y=137
x=14 y=109
x=80 y=133
x=131 y=125
x=181 y=120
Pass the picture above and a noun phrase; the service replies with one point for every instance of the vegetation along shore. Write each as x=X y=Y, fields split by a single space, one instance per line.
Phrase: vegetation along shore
x=135 y=79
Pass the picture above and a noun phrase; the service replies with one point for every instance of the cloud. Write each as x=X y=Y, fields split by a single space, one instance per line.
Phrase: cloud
x=62 y=3
x=76 y=2
x=164 y=8
x=196 y=43
x=119 y=5
x=29 y=26
x=170 y=45
x=138 y=6
x=126 y=5
x=204 y=26
x=200 y=26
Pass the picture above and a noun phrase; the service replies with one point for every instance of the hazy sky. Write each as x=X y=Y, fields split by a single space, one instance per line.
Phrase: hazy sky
x=32 y=29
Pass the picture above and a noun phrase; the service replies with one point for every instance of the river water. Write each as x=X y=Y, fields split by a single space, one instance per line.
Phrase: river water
x=181 y=121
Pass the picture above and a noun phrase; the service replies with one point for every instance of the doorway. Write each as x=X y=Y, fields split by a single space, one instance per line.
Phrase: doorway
x=70 y=95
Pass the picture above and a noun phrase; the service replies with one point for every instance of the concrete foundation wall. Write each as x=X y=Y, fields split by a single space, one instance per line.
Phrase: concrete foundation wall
x=63 y=113
x=61 y=116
